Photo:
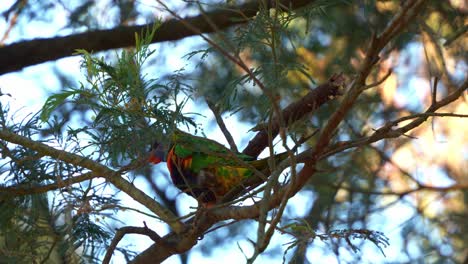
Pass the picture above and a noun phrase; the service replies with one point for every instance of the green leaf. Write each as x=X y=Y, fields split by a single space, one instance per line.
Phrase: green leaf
x=55 y=101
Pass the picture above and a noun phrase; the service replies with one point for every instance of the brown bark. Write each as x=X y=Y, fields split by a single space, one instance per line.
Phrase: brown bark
x=295 y=111
x=26 y=53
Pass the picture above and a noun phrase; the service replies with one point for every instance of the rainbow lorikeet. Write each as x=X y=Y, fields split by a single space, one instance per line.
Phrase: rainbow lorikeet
x=205 y=169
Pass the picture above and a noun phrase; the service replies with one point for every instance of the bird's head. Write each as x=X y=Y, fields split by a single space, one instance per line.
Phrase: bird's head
x=158 y=153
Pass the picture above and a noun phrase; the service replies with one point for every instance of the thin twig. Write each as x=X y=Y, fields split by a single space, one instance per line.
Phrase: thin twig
x=421 y=187
x=222 y=126
x=13 y=21
x=121 y=232
x=26 y=189
x=387 y=131
x=460 y=32
x=379 y=82
x=434 y=90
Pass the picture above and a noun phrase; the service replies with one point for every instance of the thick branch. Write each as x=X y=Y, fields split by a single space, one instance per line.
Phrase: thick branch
x=26 y=53
x=296 y=111
x=112 y=176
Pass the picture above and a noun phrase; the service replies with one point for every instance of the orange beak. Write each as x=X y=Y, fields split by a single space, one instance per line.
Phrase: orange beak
x=154 y=159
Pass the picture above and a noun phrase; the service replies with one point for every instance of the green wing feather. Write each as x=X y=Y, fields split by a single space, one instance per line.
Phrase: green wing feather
x=205 y=152
x=221 y=168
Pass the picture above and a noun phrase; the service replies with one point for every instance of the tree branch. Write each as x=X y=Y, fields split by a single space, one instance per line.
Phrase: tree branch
x=421 y=187
x=26 y=53
x=222 y=125
x=296 y=111
x=121 y=232
x=387 y=131
x=100 y=171
x=27 y=189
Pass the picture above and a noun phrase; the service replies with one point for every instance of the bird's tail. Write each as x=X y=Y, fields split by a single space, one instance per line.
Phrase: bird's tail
x=264 y=166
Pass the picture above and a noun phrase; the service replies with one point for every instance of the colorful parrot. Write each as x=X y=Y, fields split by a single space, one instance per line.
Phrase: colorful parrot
x=203 y=168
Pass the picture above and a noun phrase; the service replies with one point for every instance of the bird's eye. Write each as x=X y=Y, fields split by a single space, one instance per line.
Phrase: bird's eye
x=155 y=145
